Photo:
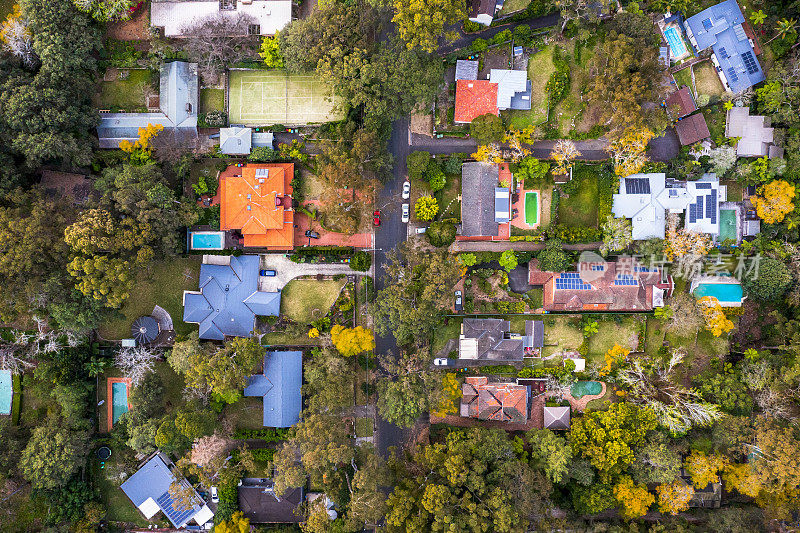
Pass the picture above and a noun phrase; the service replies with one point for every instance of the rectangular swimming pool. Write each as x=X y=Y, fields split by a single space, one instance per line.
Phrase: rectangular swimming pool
x=727 y=225
x=531 y=208
x=724 y=292
x=676 y=44
x=6 y=392
x=119 y=400
x=207 y=240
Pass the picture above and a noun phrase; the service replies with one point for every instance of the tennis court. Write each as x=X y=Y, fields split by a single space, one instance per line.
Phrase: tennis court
x=259 y=98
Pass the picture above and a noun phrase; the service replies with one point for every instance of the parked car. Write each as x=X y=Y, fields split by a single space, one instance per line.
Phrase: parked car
x=312 y=234
x=420 y=231
x=376 y=217
x=406 y=190
x=441 y=361
x=405 y=215
x=214 y=495
x=268 y=273
x=459 y=301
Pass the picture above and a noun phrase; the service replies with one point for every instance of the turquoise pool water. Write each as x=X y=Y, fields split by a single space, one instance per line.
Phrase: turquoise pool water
x=727 y=224
x=586 y=388
x=724 y=292
x=119 y=401
x=675 y=41
x=207 y=241
x=6 y=392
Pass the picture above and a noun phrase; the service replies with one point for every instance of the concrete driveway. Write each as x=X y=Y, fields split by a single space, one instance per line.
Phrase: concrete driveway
x=287 y=270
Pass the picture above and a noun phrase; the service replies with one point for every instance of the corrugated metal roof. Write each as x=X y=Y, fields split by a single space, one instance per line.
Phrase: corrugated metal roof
x=279 y=385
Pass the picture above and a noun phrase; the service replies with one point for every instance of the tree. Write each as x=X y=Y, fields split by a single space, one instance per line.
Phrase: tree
x=563 y=153
x=17 y=38
x=716 y=321
x=107 y=10
x=142 y=150
x=468 y=259
x=617 y=235
x=783 y=28
x=758 y=17
x=136 y=363
x=532 y=171
x=53 y=454
x=684 y=246
x=774 y=201
x=549 y=452
x=361 y=261
x=403 y=399
x=237 y=524
x=628 y=150
x=704 y=468
x=216 y=41
x=722 y=159
x=674 y=497
x=722 y=384
x=426 y=208
x=105 y=279
x=742 y=478
x=435 y=176
x=615 y=357
x=686 y=317
x=487 y=129
x=421 y=22
x=352 y=341
x=270 y=52
x=634 y=500
x=656 y=462
x=417 y=163
x=769 y=282
x=553 y=258
x=209 y=449
x=508 y=260
x=328 y=381
x=441 y=234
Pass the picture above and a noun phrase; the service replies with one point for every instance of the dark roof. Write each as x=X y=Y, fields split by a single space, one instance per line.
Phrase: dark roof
x=466 y=70
x=692 y=129
x=682 y=101
x=522 y=100
x=478 y=181
x=556 y=417
x=492 y=343
x=482 y=7
x=76 y=187
x=262 y=507
x=279 y=385
x=534 y=333
x=229 y=299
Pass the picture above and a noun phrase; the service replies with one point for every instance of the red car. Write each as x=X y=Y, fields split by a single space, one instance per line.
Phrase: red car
x=376 y=217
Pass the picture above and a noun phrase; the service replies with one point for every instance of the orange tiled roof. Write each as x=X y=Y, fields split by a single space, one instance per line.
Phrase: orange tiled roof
x=475 y=98
x=256 y=199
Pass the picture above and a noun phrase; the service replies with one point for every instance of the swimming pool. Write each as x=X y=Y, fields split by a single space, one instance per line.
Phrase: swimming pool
x=6 y=392
x=676 y=44
x=727 y=225
x=207 y=240
x=119 y=400
x=724 y=292
x=586 y=388
x=531 y=207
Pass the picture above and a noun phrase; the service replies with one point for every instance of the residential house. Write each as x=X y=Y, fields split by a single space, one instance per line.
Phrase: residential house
x=726 y=290
x=756 y=138
x=279 y=385
x=690 y=125
x=490 y=339
x=256 y=201
x=504 y=402
x=556 y=417
x=680 y=103
x=228 y=300
x=646 y=198
x=178 y=89
x=709 y=496
x=505 y=89
x=175 y=17
x=238 y=140
x=724 y=29
x=485 y=202
x=259 y=503
x=483 y=11
x=151 y=490
x=603 y=286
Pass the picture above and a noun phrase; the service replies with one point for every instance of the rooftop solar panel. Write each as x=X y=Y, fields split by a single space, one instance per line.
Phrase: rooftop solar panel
x=707 y=24
x=637 y=186
x=702 y=185
x=709 y=206
x=750 y=62
x=692 y=214
x=738 y=30
x=699 y=209
x=732 y=76
x=177 y=516
x=713 y=201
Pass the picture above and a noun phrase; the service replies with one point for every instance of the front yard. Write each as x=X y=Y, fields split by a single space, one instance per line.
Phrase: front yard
x=449 y=204
x=305 y=300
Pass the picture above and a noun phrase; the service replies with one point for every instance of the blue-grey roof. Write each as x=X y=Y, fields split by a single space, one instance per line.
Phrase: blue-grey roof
x=235 y=140
x=279 y=385
x=263 y=138
x=720 y=27
x=466 y=70
x=522 y=100
x=478 y=181
x=229 y=300
x=153 y=481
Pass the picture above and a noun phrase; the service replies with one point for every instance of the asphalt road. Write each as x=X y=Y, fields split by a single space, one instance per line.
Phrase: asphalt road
x=465 y=39
x=391 y=232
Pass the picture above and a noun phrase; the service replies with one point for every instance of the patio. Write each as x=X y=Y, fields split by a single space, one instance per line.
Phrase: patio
x=518 y=207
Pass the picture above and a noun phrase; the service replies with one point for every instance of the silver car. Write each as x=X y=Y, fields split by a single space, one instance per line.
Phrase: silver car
x=405 y=215
x=406 y=190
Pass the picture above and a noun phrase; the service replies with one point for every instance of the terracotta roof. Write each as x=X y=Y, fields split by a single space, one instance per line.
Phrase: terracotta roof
x=692 y=129
x=505 y=402
x=682 y=101
x=475 y=98
x=256 y=199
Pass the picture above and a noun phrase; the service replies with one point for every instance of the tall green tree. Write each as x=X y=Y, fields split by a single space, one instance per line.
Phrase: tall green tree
x=53 y=454
x=422 y=22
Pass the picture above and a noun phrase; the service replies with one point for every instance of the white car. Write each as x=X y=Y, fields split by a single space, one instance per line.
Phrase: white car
x=214 y=495
x=420 y=231
x=406 y=190
x=405 y=215
x=441 y=361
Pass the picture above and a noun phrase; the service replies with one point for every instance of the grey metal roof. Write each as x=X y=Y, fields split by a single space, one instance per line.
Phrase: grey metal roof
x=478 y=181
x=279 y=385
x=556 y=417
x=522 y=100
x=235 y=140
x=488 y=340
x=466 y=70
x=263 y=138
x=229 y=300
x=509 y=84
x=502 y=205
x=534 y=334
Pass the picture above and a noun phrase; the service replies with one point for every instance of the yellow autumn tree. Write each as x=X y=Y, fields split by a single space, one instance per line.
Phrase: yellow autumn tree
x=313 y=333
x=682 y=243
x=774 y=201
x=716 y=321
x=563 y=153
x=742 y=479
x=674 y=497
x=704 y=468
x=633 y=500
x=628 y=150
x=488 y=153
x=451 y=395
x=352 y=341
x=141 y=150
x=516 y=138
x=421 y=22
x=614 y=358
x=237 y=524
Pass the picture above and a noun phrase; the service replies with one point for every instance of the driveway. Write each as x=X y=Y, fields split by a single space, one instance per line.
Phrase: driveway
x=466 y=39
x=287 y=270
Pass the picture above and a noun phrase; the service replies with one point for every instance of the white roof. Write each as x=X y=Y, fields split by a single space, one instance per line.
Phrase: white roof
x=235 y=140
x=580 y=364
x=753 y=131
x=149 y=507
x=509 y=82
x=467 y=348
x=175 y=17
x=203 y=515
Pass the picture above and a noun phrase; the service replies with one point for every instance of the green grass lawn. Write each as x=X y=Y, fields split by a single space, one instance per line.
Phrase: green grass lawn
x=735 y=191
x=610 y=333
x=580 y=209
x=279 y=338
x=707 y=80
x=684 y=77
x=305 y=300
x=444 y=333
x=126 y=95
x=654 y=335
x=118 y=507
x=246 y=413
x=537 y=297
x=212 y=100
x=559 y=331
x=449 y=205
x=364 y=427
x=512 y=6
x=715 y=118
x=568 y=113
x=540 y=66
x=36 y=401
x=162 y=284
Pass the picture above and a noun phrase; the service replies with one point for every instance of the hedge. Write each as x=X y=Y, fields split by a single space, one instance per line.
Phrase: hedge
x=497 y=369
x=263 y=455
x=266 y=434
x=228 y=502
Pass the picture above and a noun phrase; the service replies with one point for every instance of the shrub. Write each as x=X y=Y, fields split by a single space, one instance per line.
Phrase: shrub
x=508 y=260
x=417 y=163
x=471 y=27
x=453 y=165
x=557 y=86
x=263 y=154
x=265 y=434
x=501 y=37
x=479 y=45
x=487 y=129
x=213 y=119
x=441 y=234
x=510 y=307
x=361 y=261
x=523 y=35
x=435 y=175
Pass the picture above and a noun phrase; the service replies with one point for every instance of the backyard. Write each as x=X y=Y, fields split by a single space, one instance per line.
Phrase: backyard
x=246 y=413
x=512 y=6
x=561 y=332
x=571 y=114
x=579 y=209
x=540 y=67
x=162 y=284
x=212 y=100
x=706 y=79
x=305 y=300
x=128 y=94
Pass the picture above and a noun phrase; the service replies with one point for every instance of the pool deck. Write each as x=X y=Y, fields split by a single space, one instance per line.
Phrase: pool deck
x=579 y=404
x=110 y=398
x=519 y=220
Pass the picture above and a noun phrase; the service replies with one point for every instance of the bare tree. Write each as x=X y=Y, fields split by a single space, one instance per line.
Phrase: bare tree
x=136 y=363
x=17 y=39
x=206 y=450
x=218 y=41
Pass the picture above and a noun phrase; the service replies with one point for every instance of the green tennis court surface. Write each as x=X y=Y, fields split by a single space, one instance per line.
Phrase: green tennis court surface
x=258 y=97
x=531 y=208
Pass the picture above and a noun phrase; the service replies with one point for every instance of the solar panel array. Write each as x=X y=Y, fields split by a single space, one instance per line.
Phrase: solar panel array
x=637 y=186
x=723 y=53
x=178 y=516
x=711 y=206
x=707 y=24
x=702 y=185
x=625 y=279
x=750 y=62
x=643 y=269
x=732 y=76
x=699 y=207
x=598 y=268
x=571 y=281
x=738 y=30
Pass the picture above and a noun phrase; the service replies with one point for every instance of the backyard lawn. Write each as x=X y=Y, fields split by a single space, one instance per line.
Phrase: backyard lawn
x=247 y=413
x=684 y=77
x=126 y=95
x=580 y=209
x=512 y=6
x=706 y=80
x=212 y=100
x=117 y=506
x=560 y=334
x=609 y=333
x=305 y=300
x=540 y=66
x=716 y=117
x=571 y=113
x=449 y=204
x=280 y=338
x=162 y=284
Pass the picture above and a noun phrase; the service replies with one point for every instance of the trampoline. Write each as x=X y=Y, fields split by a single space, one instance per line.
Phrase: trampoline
x=144 y=329
x=103 y=453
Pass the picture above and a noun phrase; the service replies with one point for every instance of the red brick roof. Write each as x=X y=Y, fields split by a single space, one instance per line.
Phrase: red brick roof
x=505 y=402
x=475 y=98
x=692 y=129
x=682 y=102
